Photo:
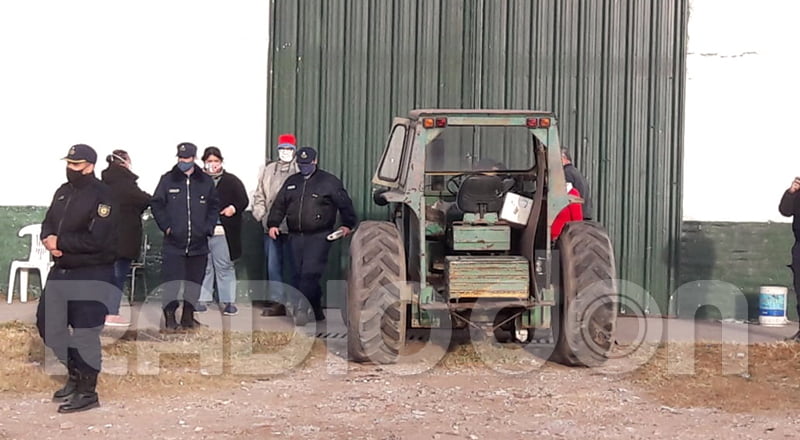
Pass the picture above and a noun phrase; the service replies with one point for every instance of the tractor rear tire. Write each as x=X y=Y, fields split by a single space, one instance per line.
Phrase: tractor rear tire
x=376 y=314
x=586 y=315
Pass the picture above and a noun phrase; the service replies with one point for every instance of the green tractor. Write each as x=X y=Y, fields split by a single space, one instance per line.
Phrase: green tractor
x=472 y=196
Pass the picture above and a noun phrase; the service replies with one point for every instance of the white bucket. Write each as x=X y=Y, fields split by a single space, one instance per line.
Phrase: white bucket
x=772 y=306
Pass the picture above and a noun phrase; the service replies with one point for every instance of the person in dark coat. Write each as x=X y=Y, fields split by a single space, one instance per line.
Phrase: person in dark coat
x=573 y=176
x=226 y=244
x=78 y=231
x=185 y=206
x=131 y=202
x=790 y=207
x=310 y=201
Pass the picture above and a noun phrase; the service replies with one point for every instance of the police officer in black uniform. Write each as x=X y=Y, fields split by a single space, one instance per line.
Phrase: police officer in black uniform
x=78 y=232
x=185 y=206
x=790 y=207
x=309 y=200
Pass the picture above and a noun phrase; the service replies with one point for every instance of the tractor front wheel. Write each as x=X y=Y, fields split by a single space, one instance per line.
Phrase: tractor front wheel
x=586 y=316
x=376 y=314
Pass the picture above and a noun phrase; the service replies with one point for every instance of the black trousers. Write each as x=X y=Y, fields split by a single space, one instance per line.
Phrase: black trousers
x=189 y=269
x=310 y=252
x=71 y=314
x=796 y=270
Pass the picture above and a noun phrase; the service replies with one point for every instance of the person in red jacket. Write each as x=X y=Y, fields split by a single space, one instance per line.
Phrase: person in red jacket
x=573 y=212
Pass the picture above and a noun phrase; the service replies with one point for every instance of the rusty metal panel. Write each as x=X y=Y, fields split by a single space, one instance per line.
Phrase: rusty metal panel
x=612 y=71
x=487 y=277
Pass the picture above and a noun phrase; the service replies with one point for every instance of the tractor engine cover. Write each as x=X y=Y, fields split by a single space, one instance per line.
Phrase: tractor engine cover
x=487 y=277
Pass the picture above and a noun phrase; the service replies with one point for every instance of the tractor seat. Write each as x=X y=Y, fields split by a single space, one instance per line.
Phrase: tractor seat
x=480 y=194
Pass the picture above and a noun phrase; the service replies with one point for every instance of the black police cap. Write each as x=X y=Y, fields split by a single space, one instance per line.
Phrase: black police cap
x=81 y=153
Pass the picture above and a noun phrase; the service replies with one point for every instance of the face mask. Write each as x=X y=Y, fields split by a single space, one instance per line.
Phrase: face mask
x=75 y=176
x=285 y=155
x=213 y=168
x=185 y=166
x=307 y=169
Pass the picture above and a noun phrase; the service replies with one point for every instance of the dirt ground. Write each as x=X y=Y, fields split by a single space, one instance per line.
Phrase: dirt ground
x=477 y=391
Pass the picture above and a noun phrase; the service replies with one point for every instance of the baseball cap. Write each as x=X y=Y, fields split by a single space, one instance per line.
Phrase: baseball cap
x=187 y=149
x=306 y=155
x=81 y=153
x=287 y=141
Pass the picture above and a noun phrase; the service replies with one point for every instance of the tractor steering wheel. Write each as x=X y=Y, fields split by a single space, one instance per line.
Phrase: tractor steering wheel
x=454 y=183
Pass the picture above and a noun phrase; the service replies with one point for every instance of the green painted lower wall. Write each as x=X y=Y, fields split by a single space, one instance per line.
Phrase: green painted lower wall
x=734 y=255
x=250 y=268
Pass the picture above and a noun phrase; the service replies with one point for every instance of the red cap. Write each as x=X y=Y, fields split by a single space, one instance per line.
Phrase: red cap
x=287 y=141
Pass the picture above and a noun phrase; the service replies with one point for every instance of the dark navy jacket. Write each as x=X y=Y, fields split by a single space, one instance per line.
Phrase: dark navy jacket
x=82 y=216
x=790 y=206
x=310 y=205
x=187 y=206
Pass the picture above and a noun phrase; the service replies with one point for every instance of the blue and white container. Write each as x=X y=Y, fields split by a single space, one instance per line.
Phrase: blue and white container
x=772 y=306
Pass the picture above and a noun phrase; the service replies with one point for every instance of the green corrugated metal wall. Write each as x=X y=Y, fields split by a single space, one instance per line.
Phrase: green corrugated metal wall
x=612 y=70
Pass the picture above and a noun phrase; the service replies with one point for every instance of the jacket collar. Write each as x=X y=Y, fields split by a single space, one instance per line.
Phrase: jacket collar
x=177 y=174
x=84 y=183
x=117 y=172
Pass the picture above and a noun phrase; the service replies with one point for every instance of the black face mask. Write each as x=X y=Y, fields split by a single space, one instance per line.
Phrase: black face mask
x=76 y=177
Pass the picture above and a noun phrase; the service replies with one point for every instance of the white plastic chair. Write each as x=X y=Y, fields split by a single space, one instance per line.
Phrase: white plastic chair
x=139 y=265
x=38 y=259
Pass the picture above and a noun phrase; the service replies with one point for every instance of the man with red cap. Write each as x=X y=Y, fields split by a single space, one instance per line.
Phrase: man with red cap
x=276 y=250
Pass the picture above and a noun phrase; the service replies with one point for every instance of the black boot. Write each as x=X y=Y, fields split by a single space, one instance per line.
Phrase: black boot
x=274 y=309
x=170 y=323
x=187 y=317
x=69 y=388
x=319 y=315
x=84 y=397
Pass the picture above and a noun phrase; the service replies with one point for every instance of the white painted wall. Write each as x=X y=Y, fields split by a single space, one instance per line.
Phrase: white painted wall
x=141 y=75
x=742 y=109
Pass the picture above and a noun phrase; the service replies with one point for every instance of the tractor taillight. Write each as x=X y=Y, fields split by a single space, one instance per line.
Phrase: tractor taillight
x=428 y=122
x=441 y=122
x=538 y=122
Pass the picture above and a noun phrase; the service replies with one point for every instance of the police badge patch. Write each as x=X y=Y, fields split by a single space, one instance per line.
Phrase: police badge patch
x=103 y=210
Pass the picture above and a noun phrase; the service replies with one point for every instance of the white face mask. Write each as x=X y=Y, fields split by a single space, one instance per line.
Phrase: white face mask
x=213 y=167
x=285 y=155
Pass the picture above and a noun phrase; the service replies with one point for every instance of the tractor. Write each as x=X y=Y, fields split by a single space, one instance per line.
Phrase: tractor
x=471 y=196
